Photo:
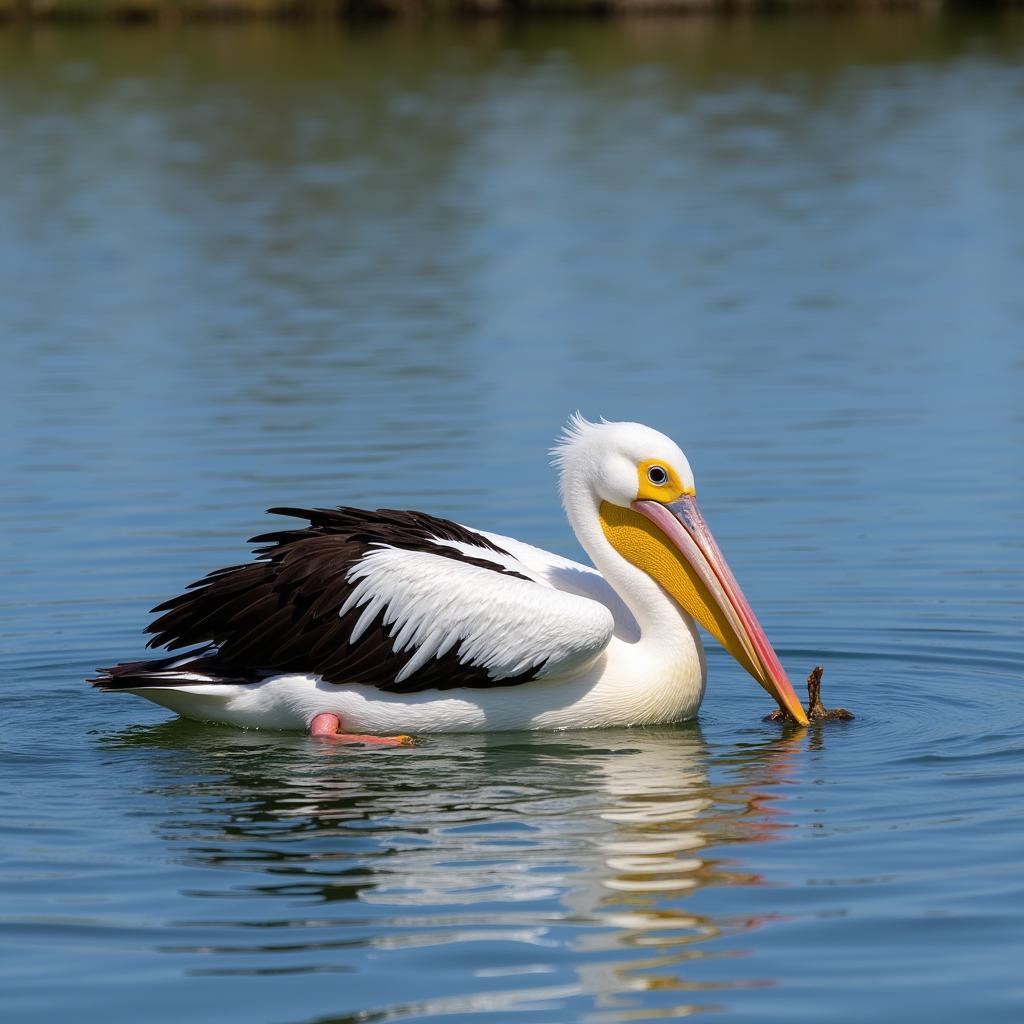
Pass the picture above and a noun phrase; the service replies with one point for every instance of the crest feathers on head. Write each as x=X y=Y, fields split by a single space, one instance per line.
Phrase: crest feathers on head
x=576 y=428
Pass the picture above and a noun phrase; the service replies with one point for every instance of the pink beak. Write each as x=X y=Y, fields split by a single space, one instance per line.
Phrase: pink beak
x=681 y=521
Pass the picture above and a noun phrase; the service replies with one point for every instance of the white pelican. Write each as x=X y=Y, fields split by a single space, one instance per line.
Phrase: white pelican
x=387 y=622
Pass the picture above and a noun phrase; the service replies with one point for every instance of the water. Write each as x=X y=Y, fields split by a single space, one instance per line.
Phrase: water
x=255 y=266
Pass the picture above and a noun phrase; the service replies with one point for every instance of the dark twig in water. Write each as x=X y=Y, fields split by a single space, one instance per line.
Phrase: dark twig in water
x=816 y=711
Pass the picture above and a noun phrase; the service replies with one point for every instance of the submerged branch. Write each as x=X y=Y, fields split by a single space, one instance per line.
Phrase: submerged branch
x=816 y=711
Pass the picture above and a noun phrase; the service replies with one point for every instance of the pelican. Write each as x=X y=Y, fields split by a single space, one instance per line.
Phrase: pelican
x=371 y=626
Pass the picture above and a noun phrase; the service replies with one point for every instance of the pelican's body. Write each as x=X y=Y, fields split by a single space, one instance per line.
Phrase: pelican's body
x=630 y=680
x=398 y=622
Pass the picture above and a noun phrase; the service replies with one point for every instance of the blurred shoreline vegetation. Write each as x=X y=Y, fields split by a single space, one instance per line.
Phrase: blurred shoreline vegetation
x=171 y=11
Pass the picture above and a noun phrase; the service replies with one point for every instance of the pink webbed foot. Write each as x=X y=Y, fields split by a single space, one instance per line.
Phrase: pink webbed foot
x=328 y=727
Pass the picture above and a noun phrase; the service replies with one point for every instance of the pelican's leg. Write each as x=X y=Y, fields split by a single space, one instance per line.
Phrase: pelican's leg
x=328 y=726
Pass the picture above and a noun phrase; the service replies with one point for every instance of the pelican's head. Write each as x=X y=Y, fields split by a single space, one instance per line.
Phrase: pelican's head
x=642 y=485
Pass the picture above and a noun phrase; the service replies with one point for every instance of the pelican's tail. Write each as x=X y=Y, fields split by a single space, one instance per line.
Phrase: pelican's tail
x=195 y=668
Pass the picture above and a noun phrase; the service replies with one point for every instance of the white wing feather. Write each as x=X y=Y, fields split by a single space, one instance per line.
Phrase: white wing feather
x=563 y=574
x=498 y=622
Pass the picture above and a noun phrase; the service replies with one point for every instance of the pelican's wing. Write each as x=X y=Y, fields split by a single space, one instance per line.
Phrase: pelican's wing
x=554 y=571
x=571 y=578
x=398 y=600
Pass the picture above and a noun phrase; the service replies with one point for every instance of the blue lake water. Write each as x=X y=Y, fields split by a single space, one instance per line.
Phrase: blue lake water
x=247 y=267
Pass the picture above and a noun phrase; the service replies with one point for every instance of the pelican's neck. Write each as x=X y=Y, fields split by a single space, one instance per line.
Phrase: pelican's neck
x=662 y=622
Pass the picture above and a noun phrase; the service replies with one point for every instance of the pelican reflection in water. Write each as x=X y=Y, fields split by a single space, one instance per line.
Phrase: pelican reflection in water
x=579 y=848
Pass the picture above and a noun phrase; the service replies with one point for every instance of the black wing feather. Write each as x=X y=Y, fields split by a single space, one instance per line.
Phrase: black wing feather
x=279 y=613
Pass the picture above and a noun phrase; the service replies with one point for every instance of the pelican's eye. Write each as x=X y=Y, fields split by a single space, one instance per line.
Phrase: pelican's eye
x=657 y=475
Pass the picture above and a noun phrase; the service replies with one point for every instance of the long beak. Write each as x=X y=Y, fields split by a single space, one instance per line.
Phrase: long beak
x=716 y=600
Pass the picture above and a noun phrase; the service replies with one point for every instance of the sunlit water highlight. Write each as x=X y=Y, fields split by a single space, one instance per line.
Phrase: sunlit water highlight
x=256 y=267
